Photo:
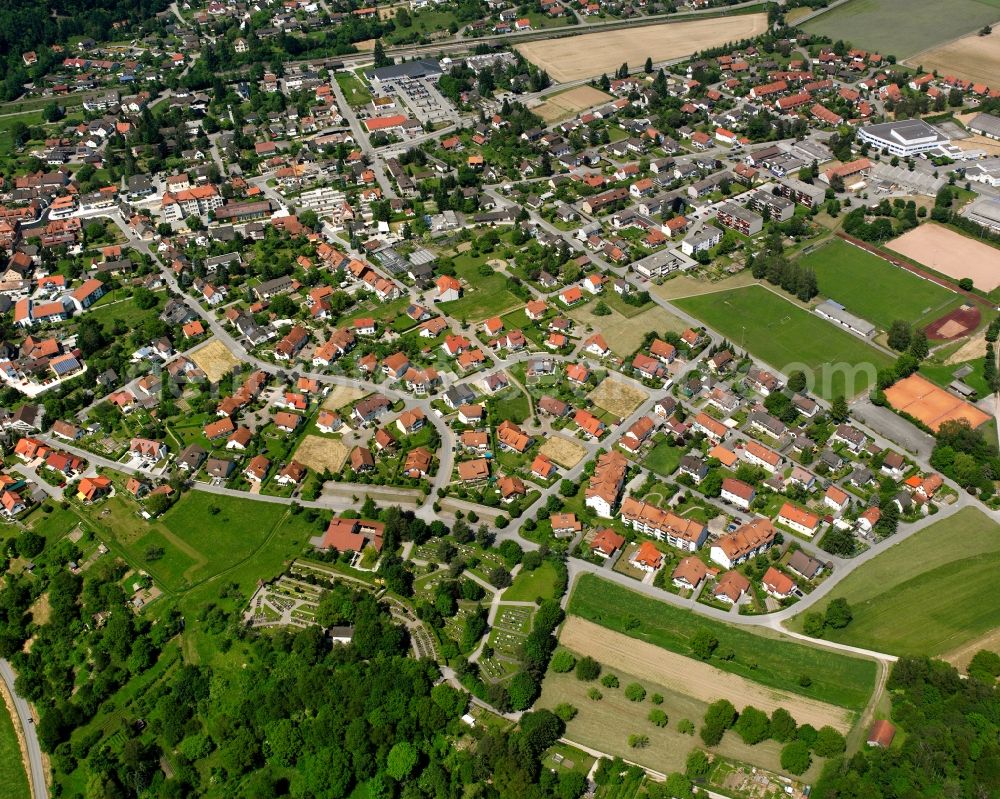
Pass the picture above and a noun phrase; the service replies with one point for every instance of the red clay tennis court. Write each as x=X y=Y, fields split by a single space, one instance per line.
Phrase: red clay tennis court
x=930 y=404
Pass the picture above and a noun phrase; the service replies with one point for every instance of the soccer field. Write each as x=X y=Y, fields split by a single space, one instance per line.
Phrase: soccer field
x=874 y=289
x=929 y=595
x=788 y=337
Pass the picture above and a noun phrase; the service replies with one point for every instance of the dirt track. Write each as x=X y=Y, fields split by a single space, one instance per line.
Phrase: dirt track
x=699 y=680
x=592 y=54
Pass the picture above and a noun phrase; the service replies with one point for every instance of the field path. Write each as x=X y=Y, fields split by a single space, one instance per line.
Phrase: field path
x=692 y=677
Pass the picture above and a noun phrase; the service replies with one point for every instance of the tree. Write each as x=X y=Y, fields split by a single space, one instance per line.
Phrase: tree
x=703 y=644
x=522 y=689
x=829 y=742
x=795 y=757
x=677 y=786
x=899 y=335
x=919 y=348
x=782 y=725
x=838 y=614
x=814 y=624
x=753 y=726
x=966 y=284
x=838 y=409
x=648 y=68
x=381 y=60
x=797 y=381
x=718 y=718
x=587 y=669
x=400 y=761
x=698 y=764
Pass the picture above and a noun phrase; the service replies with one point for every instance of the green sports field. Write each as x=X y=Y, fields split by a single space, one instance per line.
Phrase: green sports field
x=788 y=337
x=874 y=289
x=928 y=595
x=885 y=26
x=765 y=658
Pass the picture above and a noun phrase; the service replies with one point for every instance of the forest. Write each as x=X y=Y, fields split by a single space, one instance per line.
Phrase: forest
x=30 y=24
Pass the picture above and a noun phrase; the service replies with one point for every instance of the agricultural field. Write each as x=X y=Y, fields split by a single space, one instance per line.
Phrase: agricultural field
x=592 y=54
x=973 y=57
x=692 y=677
x=768 y=659
x=788 y=337
x=928 y=595
x=878 y=25
x=618 y=398
x=12 y=774
x=319 y=453
x=874 y=289
x=215 y=360
x=562 y=451
x=950 y=253
x=565 y=104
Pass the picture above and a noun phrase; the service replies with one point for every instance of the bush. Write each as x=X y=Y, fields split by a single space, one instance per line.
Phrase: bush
x=563 y=661
x=587 y=669
x=795 y=758
x=635 y=692
x=609 y=681
x=637 y=741
x=658 y=717
x=565 y=711
x=594 y=694
x=704 y=644
x=656 y=699
x=698 y=765
x=685 y=727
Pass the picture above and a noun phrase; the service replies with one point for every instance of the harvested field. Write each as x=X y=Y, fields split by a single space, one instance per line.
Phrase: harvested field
x=591 y=54
x=955 y=324
x=951 y=254
x=563 y=105
x=973 y=57
x=563 y=451
x=340 y=396
x=320 y=453
x=933 y=406
x=960 y=657
x=618 y=398
x=215 y=360
x=625 y=334
x=691 y=677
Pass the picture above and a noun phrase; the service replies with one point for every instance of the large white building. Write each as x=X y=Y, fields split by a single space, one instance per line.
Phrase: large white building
x=903 y=138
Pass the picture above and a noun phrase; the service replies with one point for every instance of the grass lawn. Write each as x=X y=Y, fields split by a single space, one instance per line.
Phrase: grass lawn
x=664 y=458
x=12 y=775
x=930 y=594
x=7 y=123
x=788 y=337
x=873 y=288
x=767 y=659
x=528 y=586
x=115 y=306
x=944 y=374
x=512 y=406
x=354 y=89
x=878 y=25
x=483 y=295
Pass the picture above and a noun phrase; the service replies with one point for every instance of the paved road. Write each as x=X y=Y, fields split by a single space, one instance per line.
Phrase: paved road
x=27 y=722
